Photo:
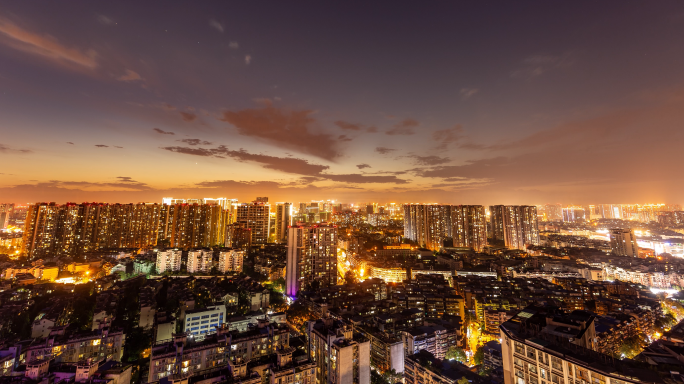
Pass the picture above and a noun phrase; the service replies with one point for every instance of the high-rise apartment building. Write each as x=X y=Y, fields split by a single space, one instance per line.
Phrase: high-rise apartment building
x=40 y=229
x=623 y=242
x=169 y=260
x=338 y=356
x=256 y=217
x=469 y=226
x=427 y=224
x=73 y=229
x=311 y=255
x=231 y=261
x=515 y=225
x=5 y=213
x=199 y=260
x=431 y=224
x=283 y=221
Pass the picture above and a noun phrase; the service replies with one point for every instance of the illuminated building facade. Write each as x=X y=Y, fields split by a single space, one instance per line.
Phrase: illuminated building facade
x=74 y=229
x=256 y=217
x=430 y=224
x=169 y=260
x=5 y=213
x=231 y=261
x=311 y=255
x=469 y=226
x=283 y=221
x=389 y=275
x=623 y=242
x=199 y=261
x=515 y=225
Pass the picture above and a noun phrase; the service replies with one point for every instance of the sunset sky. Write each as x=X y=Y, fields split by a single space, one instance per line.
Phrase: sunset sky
x=524 y=102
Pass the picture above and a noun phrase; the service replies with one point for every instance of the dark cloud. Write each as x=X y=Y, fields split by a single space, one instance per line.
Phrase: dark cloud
x=122 y=183
x=348 y=126
x=355 y=126
x=362 y=166
x=384 y=150
x=116 y=146
x=187 y=116
x=102 y=146
x=195 y=142
x=69 y=142
x=358 y=178
x=403 y=128
x=430 y=160
x=344 y=138
x=194 y=151
x=284 y=128
x=284 y=164
x=163 y=132
x=448 y=136
x=6 y=149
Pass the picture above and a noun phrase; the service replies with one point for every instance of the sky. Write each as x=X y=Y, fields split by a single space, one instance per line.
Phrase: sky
x=497 y=102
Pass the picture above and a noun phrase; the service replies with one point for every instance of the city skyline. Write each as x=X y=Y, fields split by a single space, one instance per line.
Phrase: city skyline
x=524 y=103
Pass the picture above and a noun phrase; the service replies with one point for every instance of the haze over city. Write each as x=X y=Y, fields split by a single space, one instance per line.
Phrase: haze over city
x=506 y=103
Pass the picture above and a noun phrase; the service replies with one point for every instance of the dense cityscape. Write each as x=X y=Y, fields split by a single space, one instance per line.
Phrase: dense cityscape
x=216 y=290
x=354 y=192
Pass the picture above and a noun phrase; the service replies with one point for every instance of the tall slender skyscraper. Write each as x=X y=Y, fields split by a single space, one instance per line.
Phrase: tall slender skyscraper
x=283 y=221
x=516 y=225
x=311 y=255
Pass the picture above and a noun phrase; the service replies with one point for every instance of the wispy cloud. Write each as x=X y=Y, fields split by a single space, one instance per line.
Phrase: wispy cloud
x=216 y=25
x=104 y=20
x=430 y=160
x=130 y=76
x=446 y=137
x=403 y=128
x=467 y=93
x=362 y=166
x=536 y=65
x=163 y=132
x=233 y=45
x=384 y=150
x=248 y=59
x=6 y=149
x=195 y=142
x=46 y=47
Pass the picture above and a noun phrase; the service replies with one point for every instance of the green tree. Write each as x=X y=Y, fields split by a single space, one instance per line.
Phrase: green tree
x=479 y=355
x=376 y=377
x=632 y=346
x=463 y=380
x=455 y=353
x=137 y=340
x=392 y=376
x=350 y=278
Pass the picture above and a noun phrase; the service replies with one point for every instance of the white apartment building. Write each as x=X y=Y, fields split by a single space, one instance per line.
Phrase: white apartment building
x=231 y=261
x=202 y=322
x=169 y=260
x=200 y=260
